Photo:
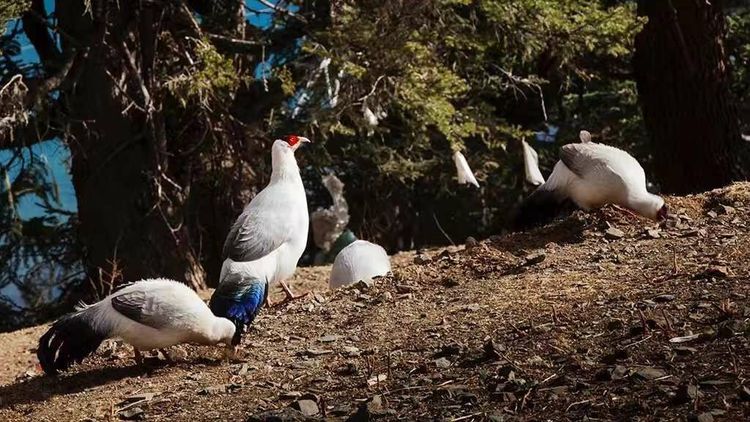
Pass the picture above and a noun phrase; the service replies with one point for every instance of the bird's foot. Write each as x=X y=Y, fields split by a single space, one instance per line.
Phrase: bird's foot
x=290 y=297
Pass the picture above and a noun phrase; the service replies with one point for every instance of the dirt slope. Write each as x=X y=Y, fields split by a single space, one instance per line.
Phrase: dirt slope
x=600 y=316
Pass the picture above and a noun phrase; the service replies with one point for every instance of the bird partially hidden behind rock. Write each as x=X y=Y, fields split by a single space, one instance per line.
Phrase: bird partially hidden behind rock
x=591 y=175
x=360 y=260
x=148 y=314
x=266 y=242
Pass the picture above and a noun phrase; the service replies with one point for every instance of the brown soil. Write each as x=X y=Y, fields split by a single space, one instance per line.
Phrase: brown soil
x=568 y=322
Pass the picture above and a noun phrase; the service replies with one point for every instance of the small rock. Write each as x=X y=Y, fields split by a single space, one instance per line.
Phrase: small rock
x=649 y=373
x=306 y=407
x=471 y=243
x=613 y=233
x=422 y=259
x=286 y=414
x=329 y=338
x=686 y=393
x=535 y=258
x=450 y=282
x=352 y=351
x=653 y=233
x=703 y=417
x=472 y=307
x=744 y=393
x=715 y=271
x=243 y=369
x=493 y=350
x=405 y=288
x=442 y=363
x=726 y=209
x=133 y=414
x=377 y=379
x=619 y=372
x=318 y=352
x=664 y=298
x=615 y=325
x=684 y=350
x=684 y=339
x=364 y=284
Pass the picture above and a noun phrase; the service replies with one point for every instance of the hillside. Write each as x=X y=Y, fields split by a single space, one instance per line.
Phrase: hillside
x=600 y=315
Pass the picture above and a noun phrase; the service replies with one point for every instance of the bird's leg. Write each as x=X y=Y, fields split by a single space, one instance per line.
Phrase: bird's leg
x=230 y=353
x=268 y=302
x=167 y=357
x=137 y=356
x=289 y=295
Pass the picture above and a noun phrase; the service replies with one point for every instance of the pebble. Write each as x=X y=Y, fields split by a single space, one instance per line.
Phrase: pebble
x=613 y=233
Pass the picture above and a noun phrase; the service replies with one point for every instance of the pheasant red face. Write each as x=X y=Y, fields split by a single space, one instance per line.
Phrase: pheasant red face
x=294 y=141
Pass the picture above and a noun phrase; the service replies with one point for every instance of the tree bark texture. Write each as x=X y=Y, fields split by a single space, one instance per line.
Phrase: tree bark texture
x=683 y=86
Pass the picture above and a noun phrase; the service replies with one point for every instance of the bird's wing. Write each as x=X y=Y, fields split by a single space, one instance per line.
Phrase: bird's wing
x=260 y=229
x=153 y=305
x=587 y=160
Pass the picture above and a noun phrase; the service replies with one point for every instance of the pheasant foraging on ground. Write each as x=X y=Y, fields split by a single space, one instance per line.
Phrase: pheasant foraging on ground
x=591 y=175
x=148 y=314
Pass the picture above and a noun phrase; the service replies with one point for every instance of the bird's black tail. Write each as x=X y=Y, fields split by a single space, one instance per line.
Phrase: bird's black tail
x=70 y=339
x=539 y=208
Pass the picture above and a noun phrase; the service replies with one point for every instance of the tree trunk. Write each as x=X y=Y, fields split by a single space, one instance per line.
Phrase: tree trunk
x=125 y=237
x=683 y=86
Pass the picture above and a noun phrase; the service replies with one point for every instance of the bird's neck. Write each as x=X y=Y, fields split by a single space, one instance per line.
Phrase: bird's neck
x=647 y=205
x=284 y=166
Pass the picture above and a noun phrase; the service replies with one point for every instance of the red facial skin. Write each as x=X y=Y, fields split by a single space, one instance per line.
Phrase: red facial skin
x=292 y=140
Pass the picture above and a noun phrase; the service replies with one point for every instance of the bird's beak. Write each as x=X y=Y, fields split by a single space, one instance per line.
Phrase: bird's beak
x=302 y=140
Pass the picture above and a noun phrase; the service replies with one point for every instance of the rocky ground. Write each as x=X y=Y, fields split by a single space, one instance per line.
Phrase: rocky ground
x=600 y=316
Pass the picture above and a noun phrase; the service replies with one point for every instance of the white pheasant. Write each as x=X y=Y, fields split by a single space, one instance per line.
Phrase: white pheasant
x=591 y=175
x=148 y=314
x=267 y=240
x=358 y=261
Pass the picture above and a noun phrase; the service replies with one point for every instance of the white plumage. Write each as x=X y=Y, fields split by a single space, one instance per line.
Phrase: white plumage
x=531 y=165
x=592 y=175
x=269 y=237
x=148 y=314
x=358 y=261
x=584 y=136
x=463 y=170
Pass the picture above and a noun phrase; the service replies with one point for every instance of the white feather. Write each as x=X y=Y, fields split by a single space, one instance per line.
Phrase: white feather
x=183 y=317
x=359 y=261
x=463 y=170
x=278 y=215
x=531 y=165
x=604 y=175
